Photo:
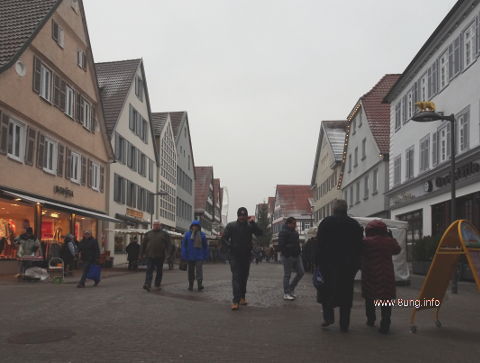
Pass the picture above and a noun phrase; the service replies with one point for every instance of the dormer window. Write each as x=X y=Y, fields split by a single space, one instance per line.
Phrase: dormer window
x=57 y=34
x=139 y=88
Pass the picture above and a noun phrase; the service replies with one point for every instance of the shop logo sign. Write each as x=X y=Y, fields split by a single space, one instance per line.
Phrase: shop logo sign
x=462 y=172
x=64 y=191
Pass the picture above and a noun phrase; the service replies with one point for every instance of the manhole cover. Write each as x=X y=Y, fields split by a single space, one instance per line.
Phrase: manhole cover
x=41 y=336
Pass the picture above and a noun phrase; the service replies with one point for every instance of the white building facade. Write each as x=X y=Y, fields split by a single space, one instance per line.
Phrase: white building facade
x=446 y=71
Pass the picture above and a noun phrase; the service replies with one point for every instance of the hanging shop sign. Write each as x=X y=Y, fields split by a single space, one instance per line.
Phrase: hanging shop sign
x=134 y=213
x=63 y=190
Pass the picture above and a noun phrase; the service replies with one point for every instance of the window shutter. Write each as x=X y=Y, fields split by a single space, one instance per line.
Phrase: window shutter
x=131 y=119
x=449 y=135
x=93 y=119
x=89 y=173
x=62 y=90
x=37 y=74
x=122 y=190
x=429 y=83
x=3 y=133
x=68 y=163
x=435 y=148
x=117 y=146
x=102 y=178
x=460 y=51
x=55 y=31
x=77 y=106
x=40 y=151
x=61 y=154
x=56 y=90
x=477 y=35
x=450 y=61
x=30 y=146
x=84 y=171
x=84 y=60
x=404 y=109
x=80 y=109
x=435 y=78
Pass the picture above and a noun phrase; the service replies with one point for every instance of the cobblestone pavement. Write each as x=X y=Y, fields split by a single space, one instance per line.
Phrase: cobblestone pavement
x=119 y=322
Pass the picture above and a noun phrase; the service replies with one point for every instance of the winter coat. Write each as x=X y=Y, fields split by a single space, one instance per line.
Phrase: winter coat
x=191 y=253
x=237 y=239
x=339 y=243
x=378 y=278
x=133 y=251
x=289 y=242
x=89 y=250
x=29 y=245
x=155 y=244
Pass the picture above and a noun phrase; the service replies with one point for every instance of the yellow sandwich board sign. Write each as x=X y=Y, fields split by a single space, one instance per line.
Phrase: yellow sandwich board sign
x=461 y=238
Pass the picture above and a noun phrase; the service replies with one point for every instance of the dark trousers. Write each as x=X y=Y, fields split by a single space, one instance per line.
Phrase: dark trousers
x=386 y=312
x=133 y=265
x=329 y=315
x=240 y=270
x=195 y=268
x=86 y=267
x=152 y=264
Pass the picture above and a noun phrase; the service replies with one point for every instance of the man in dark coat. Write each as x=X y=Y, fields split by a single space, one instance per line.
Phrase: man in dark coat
x=289 y=245
x=339 y=240
x=89 y=254
x=155 y=245
x=237 y=240
x=378 y=277
x=133 y=251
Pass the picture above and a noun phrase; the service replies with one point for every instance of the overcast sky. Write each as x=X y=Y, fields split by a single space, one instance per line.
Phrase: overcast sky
x=257 y=76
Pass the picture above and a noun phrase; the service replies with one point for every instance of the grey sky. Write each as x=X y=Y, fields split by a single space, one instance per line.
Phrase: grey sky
x=258 y=76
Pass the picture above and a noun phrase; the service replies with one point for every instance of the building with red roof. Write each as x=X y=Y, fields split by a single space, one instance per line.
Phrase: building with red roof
x=204 y=197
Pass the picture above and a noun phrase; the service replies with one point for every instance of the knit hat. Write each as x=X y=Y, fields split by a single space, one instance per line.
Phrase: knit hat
x=376 y=227
x=242 y=210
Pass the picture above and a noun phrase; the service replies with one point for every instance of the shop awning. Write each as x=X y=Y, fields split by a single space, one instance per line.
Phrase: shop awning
x=131 y=220
x=76 y=210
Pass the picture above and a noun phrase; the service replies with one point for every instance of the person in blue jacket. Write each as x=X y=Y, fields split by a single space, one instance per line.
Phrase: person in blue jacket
x=195 y=251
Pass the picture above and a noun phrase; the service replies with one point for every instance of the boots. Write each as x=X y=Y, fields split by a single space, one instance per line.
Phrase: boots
x=190 y=285
x=199 y=284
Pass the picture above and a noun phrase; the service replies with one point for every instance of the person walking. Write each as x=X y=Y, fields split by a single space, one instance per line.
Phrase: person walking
x=133 y=251
x=89 y=254
x=154 y=247
x=68 y=253
x=289 y=245
x=378 y=277
x=195 y=250
x=237 y=240
x=339 y=243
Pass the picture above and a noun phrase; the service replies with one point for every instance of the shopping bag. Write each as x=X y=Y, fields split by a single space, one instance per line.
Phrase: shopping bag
x=317 y=279
x=94 y=272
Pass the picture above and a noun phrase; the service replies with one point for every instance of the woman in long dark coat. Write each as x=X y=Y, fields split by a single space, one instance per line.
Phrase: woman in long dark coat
x=339 y=242
x=378 y=278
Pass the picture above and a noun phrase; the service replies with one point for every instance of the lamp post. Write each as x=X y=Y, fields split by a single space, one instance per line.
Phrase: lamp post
x=151 y=213
x=427 y=114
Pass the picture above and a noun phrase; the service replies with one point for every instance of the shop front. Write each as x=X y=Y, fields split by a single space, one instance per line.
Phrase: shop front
x=51 y=222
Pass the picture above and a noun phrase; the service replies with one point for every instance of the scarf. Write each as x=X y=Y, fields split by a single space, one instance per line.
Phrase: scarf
x=197 y=239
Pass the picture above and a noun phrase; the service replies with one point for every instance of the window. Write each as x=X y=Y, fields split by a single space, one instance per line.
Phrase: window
x=356 y=157
x=443 y=143
x=360 y=117
x=409 y=157
x=404 y=109
x=375 y=182
x=132 y=157
x=141 y=198
x=131 y=194
x=144 y=131
x=365 y=187
x=81 y=59
x=150 y=170
x=188 y=162
x=357 y=196
x=425 y=153
x=463 y=131
x=57 y=34
x=469 y=40
x=454 y=57
x=364 y=148
x=423 y=88
x=444 y=70
x=86 y=114
x=398 y=116
x=139 y=88
x=353 y=127
x=142 y=164
x=349 y=163
x=120 y=145
x=16 y=140
x=95 y=177
x=432 y=78
x=50 y=156
x=397 y=170
x=75 y=167
x=410 y=105
x=69 y=101
x=45 y=83
x=119 y=189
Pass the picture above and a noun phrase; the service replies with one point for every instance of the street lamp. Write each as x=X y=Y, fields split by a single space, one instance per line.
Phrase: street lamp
x=427 y=114
x=151 y=213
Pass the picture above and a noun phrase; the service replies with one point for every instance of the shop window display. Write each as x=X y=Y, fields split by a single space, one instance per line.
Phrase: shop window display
x=55 y=226
x=15 y=217
x=83 y=224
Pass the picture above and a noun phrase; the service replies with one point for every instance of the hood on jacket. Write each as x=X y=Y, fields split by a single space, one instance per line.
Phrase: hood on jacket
x=375 y=228
x=196 y=223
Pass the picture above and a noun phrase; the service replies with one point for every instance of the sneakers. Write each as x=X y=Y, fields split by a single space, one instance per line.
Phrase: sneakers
x=288 y=297
x=235 y=307
x=243 y=301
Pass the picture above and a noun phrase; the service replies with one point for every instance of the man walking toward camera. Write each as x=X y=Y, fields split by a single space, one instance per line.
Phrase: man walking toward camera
x=89 y=254
x=289 y=245
x=154 y=246
x=237 y=239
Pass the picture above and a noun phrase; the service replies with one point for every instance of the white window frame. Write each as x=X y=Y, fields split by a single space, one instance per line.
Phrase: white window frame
x=95 y=182
x=469 y=41
x=444 y=75
x=463 y=131
x=81 y=59
x=16 y=140
x=443 y=144
x=69 y=101
x=50 y=154
x=425 y=153
x=76 y=167
x=410 y=105
x=87 y=114
x=424 y=87
x=45 y=83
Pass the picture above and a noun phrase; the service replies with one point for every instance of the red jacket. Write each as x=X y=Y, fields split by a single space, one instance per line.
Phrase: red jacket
x=378 y=278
